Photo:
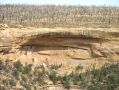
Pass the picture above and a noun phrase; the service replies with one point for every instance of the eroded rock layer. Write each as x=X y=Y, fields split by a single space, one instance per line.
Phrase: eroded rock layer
x=72 y=46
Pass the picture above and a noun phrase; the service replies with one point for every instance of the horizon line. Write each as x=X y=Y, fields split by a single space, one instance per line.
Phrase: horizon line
x=57 y=5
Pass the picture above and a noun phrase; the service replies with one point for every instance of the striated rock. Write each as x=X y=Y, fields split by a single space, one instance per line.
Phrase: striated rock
x=70 y=46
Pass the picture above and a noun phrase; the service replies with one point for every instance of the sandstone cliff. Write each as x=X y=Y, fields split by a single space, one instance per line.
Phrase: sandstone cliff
x=69 y=46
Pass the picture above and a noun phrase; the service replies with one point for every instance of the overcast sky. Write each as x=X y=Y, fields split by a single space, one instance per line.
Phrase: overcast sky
x=63 y=2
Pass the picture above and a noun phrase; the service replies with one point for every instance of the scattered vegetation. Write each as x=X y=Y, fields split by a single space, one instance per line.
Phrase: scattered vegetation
x=59 y=16
x=30 y=77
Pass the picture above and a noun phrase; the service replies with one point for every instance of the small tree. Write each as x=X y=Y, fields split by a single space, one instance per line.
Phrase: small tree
x=54 y=77
x=18 y=66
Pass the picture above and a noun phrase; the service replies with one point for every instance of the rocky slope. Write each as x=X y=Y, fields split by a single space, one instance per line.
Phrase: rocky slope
x=69 y=46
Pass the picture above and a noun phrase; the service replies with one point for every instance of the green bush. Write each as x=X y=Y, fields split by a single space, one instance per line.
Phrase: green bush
x=66 y=81
x=40 y=78
x=54 y=77
x=105 y=78
x=18 y=66
x=16 y=74
x=12 y=82
x=28 y=69
x=28 y=87
x=53 y=66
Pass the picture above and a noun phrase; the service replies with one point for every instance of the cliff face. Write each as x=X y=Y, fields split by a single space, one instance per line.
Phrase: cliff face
x=72 y=46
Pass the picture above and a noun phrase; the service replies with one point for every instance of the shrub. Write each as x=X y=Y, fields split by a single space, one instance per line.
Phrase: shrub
x=106 y=78
x=76 y=78
x=66 y=81
x=27 y=87
x=53 y=66
x=54 y=77
x=28 y=69
x=12 y=82
x=16 y=74
x=39 y=77
x=18 y=66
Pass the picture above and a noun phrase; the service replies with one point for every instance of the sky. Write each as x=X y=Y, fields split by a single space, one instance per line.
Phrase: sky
x=63 y=2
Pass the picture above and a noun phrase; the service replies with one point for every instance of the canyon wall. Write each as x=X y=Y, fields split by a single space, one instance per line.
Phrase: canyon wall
x=67 y=46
